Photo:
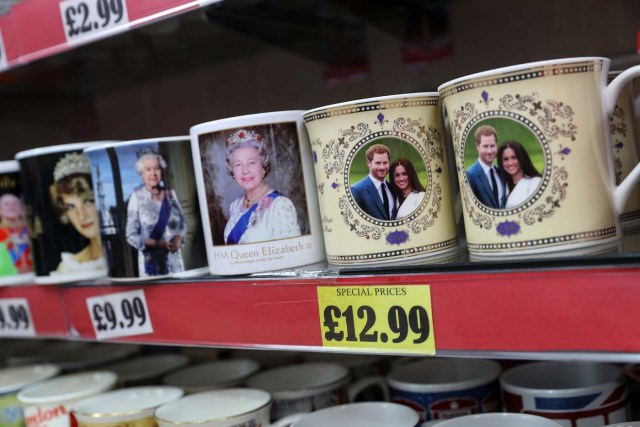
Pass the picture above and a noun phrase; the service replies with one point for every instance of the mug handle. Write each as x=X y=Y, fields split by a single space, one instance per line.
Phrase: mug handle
x=358 y=386
x=623 y=191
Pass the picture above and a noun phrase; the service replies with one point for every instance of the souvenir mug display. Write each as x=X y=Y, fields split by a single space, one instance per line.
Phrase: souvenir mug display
x=49 y=403
x=15 y=248
x=257 y=193
x=540 y=133
x=498 y=420
x=587 y=394
x=12 y=380
x=212 y=375
x=439 y=389
x=62 y=214
x=149 y=212
x=365 y=414
x=131 y=407
x=383 y=179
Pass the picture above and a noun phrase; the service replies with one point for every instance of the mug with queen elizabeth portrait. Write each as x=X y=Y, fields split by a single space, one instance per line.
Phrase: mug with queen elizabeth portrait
x=534 y=159
x=255 y=182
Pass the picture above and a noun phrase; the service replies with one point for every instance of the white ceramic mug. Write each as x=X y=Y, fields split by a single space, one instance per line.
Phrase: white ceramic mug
x=257 y=193
x=364 y=414
x=61 y=214
x=446 y=387
x=498 y=420
x=12 y=380
x=148 y=369
x=212 y=375
x=306 y=387
x=49 y=403
x=547 y=125
x=16 y=266
x=588 y=394
x=150 y=216
x=94 y=356
x=383 y=179
x=133 y=407
x=234 y=407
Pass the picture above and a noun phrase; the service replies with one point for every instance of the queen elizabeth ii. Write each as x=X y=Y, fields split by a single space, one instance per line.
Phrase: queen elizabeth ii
x=262 y=214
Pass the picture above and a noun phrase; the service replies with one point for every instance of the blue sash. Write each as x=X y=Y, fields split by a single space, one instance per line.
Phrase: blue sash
x=243 y=222
x=155 y=259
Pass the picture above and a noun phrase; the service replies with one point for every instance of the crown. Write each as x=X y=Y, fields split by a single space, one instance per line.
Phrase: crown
x=71 y=163
x=242 y=136
x=147 y=151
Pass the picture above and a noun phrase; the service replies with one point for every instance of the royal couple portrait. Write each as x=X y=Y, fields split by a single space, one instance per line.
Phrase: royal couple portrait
x=392 y=198
x=503 y=175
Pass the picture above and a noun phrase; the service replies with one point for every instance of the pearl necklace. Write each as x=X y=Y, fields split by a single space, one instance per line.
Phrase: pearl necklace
x=246 y=202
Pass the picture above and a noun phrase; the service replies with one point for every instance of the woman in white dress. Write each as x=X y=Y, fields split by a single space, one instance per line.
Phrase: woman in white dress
x=521 y=177
x=156 y=225
x=72 y=196
x=262 y=214
x=406 y=186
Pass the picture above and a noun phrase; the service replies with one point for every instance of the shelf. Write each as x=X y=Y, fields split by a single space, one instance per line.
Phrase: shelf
x=576 y=311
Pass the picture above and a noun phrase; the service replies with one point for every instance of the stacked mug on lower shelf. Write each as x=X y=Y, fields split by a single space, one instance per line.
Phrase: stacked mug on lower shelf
x=304 y=390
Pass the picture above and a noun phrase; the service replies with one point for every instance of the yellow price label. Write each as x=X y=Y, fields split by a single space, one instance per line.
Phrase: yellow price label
x=389 y=318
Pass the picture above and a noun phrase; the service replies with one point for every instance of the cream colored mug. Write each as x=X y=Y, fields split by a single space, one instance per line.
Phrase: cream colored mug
x=540 y=132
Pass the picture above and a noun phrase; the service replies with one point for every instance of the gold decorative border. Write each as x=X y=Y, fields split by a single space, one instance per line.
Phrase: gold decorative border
x=545 y=242
x=372 y=106
x=396 y=254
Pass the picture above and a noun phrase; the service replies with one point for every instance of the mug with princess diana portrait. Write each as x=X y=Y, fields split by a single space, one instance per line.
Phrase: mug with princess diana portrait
x=534 y=159
x=383 y=179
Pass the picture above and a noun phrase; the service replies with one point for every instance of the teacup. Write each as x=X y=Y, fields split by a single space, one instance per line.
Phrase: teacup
x=12 y=380
x=588 y=394
x=307 y=387
x=16 y=265
x=533 y=153
x=446 y=387
x=383 y=179
x=257 y=193
x=49 y=403
x=212 y=375
x=133 y=407
x=149 y=212
x=62 y=217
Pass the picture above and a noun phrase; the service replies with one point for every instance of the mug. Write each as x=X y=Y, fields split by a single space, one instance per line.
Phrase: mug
x=588 y=394
x=364 y=414
x=212 y=375
x=49 y=403
x=16 y=266
x=131 y=407
x=234 y=407
x=498 y=420
x=540 y=133
x=62 y=217
x=446 y=388
x=267 y=359
x=383 y=179
x=12 y=380
x=150 y=217
x=148 y=369
x=42 y=351
x=307 y=387
x=94 y=356
x=257 y=193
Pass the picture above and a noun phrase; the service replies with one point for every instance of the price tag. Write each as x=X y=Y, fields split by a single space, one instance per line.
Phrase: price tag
x=3 y=55
x=84 y=19
x=120 y=315
x=388 y=318
x=15 y=318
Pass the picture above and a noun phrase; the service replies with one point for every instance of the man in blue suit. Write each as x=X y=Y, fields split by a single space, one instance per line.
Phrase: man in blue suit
x=372 y=193
x=483 y=177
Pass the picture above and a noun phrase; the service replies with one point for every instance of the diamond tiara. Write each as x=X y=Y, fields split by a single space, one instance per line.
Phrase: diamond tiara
x=242 y=136
x=147 y=151
x=71 y=163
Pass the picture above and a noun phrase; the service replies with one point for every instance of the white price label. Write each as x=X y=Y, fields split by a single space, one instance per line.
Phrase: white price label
x=85 y=19
x=15 y=318
x=3 y=55
x=120 y=315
